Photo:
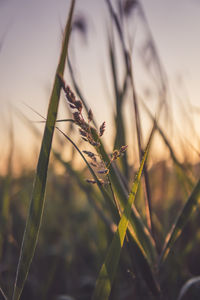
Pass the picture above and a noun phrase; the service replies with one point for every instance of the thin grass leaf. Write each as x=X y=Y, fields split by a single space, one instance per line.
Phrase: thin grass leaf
x=116 y=21
x=57 y=121
x=3 y=294
x=5 y=224
x=37 y=201
x=187 y=211
x=109 y=267
x=119 y=120
x=189 y=284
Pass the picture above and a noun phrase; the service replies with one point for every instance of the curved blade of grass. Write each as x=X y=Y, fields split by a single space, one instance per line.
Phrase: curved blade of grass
x=37 y=201
x=182 y=220
x=109 y=267
x=187 y=286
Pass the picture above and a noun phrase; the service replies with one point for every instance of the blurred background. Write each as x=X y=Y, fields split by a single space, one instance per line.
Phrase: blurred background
x=163 y=43
x=31 y=35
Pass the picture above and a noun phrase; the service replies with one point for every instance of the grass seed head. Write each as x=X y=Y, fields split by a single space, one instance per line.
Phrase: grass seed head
x=77 y=118
x=90 y=115
x=91 y=181
x=72 y=106
x=101 y=181
x=83 y=132
x=123 y=149
x=78 y=104
x=93 y=143
x=115 y=154
x=95 y=165
x=89 y=153
x=102 y=128
x=84 y=139
x=105 y=171
x=70 y=95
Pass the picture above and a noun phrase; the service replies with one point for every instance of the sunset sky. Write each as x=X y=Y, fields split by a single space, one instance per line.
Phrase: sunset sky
x=31 y=34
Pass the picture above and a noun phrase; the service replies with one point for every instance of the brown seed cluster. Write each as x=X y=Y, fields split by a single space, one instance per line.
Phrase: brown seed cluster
x=118 y=153
x=85 y=127
x=102 y=128
x=85 y=130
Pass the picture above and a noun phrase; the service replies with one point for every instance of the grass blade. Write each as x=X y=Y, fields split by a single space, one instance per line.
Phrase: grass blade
x=5 y=223
x=187 y=286
x=182 y=220
x=120 y=136
x=109 y=267
x=37 y=201
x=3 y=294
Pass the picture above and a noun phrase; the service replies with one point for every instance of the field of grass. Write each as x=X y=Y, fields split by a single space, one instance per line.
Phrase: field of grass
x=101 y=225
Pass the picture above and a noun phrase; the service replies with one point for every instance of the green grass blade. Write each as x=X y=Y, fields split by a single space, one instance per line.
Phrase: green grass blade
x=37 y=201
x=109 y=267
x=182 y=220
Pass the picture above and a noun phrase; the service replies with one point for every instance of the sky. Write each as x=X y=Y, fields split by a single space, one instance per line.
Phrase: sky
x=31 y=35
